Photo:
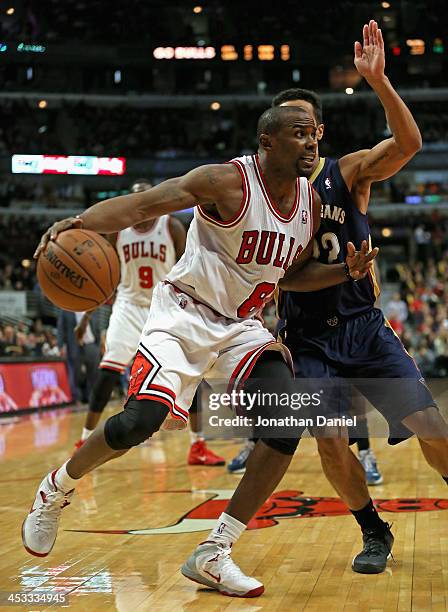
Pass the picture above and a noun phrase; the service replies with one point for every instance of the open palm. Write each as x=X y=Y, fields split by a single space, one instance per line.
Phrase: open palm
x=369 y=58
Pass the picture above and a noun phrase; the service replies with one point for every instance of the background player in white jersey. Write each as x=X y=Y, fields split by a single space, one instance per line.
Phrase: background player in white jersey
x=254 y=217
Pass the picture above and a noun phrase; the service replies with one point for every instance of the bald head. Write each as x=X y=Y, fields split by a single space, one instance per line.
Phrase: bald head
x=275 y=118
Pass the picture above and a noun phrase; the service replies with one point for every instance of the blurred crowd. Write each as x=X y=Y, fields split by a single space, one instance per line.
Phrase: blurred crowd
x=161 y=133
x=418 y=313
x=23 y=340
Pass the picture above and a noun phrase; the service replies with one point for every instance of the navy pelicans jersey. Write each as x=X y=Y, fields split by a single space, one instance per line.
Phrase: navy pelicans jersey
x=145 y=259
x=234 y=266
x=341 y=222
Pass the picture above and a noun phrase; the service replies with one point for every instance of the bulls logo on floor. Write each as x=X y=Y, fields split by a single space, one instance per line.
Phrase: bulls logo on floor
x=281 y=505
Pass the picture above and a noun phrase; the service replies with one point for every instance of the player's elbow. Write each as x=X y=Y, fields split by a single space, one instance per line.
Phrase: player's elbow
x=412 y=146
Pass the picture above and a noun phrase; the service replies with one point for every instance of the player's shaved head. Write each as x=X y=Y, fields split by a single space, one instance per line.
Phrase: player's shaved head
x=141 y=184
x=275 y=118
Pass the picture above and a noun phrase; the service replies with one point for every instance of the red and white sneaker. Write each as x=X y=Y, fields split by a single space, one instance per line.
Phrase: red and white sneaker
x=40 y=528
x=212 y=565
x=201 y=455
x=78 y=444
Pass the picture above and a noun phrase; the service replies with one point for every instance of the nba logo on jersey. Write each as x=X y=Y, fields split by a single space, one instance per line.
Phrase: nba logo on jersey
x=304 y=216
x=327 y=183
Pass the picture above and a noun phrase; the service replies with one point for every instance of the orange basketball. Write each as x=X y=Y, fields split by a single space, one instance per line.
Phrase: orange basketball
x=79 y=271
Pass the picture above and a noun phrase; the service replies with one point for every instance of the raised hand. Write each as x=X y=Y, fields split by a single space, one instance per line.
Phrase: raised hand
x=369 y=57
x=360 y=262
x=53 y=231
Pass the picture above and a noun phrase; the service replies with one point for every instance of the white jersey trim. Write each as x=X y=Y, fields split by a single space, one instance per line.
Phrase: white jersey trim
x=244 y=201
x=270 y=202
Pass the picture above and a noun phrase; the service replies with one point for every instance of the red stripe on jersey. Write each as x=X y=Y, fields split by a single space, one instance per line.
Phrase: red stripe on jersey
x=162 y=400
x=251 y=355
x=244 y=201
x=272 y=205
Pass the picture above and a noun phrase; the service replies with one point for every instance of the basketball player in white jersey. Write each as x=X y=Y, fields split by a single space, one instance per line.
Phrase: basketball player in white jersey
x=254 y=217
x=147 y=252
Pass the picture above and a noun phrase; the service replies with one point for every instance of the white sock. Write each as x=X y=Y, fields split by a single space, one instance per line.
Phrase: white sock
x=85 y=433
x=227 y=530
x=195 y=436
x=64 y=482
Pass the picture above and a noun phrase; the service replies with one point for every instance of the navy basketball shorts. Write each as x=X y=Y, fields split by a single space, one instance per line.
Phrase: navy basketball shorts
x=366 y=353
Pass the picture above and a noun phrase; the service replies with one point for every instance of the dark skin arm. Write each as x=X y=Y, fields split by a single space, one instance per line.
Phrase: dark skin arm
x=362 y=168
x=218 y=183
x=307 y=274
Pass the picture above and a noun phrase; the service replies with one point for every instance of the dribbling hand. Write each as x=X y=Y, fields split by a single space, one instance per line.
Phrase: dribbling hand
x=53 y=231
x=360 y=262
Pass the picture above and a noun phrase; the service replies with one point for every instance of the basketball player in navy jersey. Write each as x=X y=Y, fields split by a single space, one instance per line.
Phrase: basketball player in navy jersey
x=338 y=331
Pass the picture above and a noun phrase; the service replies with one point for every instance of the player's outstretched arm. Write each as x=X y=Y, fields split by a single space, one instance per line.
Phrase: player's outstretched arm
x=314 y=275
x=202 y=185
x=364 y=167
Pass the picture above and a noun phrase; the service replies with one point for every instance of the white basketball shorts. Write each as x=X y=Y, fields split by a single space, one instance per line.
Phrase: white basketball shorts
x=125 y=327
x=185 y=341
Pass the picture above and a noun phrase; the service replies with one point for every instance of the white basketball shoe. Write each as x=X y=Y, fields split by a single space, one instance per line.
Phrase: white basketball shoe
x=40 y=528
x=211 y=565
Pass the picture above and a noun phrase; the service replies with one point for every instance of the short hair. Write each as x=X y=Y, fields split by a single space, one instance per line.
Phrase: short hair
x=300 y=94
x=139 y=181
x=273 y=119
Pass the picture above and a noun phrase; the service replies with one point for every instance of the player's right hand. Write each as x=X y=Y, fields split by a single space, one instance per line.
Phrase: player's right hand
x=53 y=231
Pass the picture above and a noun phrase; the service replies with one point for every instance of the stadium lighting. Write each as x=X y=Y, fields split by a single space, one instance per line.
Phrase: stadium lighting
x=10 y=11
x=42 y=104
x=385 y=4
x=197 y=10
x=26 y=263
x=386 y=232
x=215 y=106
x=349 y=91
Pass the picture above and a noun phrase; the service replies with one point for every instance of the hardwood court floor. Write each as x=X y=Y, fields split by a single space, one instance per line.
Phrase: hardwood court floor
x=304 y=561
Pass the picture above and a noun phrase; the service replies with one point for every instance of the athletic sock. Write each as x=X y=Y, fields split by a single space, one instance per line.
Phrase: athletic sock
x=63 y=480
x=195 y=436
x=445 y=478
x=227 y=530
x=85 y=433
x=368 y=518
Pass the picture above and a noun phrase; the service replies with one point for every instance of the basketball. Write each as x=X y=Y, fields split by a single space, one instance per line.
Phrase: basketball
x=78 y=271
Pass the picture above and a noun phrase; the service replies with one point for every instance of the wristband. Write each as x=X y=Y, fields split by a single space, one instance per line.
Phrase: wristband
x=347 y=273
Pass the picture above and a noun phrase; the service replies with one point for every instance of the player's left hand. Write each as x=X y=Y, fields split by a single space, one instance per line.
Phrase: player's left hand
x=369 y=57
x=360 y=262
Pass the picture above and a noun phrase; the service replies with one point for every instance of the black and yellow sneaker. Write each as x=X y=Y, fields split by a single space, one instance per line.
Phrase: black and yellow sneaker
x=377 y=550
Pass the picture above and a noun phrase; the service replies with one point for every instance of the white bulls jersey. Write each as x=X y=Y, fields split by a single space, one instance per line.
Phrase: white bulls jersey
x=234 y=266
x=145 y=259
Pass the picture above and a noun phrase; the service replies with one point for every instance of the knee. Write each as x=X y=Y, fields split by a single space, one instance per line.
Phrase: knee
x=139 y=420
x=427 y=424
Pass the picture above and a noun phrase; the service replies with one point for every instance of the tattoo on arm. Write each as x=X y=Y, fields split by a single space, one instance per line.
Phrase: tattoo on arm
x=377 y=160
x=211 y=177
